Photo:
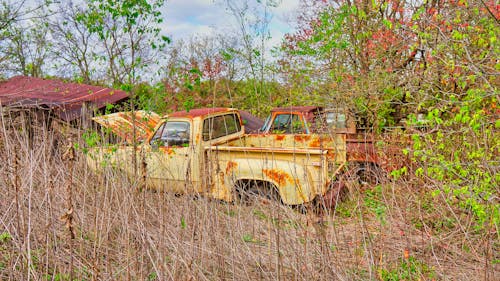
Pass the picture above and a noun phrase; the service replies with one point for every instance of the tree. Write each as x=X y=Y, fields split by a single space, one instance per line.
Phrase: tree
x=435 y=63
x=253 y=19
x=23 y=45
x=353 y=52
x=77 y=47
x=26 y=49
x=129 y=33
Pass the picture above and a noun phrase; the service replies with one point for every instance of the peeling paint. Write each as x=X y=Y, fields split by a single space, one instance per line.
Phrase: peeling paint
x=315 y=143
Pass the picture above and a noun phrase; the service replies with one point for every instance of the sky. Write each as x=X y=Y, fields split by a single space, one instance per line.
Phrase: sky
x=188 y=18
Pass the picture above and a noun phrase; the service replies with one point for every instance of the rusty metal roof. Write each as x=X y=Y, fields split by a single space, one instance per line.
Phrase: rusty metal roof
x=199 y=112
x=251 y=122
x=66 y=99
x=296 y=109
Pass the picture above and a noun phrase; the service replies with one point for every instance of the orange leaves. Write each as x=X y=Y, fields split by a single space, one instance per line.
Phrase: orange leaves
x=212 y=68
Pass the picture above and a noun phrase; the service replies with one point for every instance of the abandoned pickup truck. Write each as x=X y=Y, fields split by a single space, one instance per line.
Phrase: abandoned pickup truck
x=206 y=152
x=366 y=160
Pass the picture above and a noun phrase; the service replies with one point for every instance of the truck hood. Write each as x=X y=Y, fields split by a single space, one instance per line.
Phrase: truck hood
x=122 y=124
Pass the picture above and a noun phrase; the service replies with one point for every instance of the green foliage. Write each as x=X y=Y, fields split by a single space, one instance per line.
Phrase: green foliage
x=5 y=237
x=390 y=65
x=407 y=269
x=58 y=277
x=151 y=97
x=373 y=200
x=152 y=276
x=91 y=138
x=259 y=214
x=248 y=238
x=183 y=223
x=131 y=27
x=465 y=162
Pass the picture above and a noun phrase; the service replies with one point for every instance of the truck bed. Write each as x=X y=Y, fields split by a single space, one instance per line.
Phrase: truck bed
x=301 y=167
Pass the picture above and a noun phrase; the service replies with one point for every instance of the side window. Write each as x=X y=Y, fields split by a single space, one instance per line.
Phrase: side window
x=288 y=124
x=173 y=133
x=336 y=120
x=220 y=126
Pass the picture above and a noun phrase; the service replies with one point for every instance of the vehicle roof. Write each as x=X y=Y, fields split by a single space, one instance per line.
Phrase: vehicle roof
x=252 y=123
x=199 y=112
x=308 y=108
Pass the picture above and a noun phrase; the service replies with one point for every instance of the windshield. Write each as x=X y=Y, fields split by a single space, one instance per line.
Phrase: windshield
x=172 y=133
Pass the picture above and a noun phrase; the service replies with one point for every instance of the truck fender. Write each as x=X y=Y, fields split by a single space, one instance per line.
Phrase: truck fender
x=292 y=181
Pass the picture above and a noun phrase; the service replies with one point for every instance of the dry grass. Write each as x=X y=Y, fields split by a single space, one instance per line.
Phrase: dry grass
x=385 y=233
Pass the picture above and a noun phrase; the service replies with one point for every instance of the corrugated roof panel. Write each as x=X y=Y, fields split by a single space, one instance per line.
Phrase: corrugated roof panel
x=65 y=98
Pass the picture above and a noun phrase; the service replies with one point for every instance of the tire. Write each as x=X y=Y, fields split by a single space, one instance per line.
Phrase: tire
x=250 y=190
x=370 y=174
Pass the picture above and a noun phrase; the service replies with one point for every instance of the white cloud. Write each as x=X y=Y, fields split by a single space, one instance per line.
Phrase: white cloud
x=188 y=18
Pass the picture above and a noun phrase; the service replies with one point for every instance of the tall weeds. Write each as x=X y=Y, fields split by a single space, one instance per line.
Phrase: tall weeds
x=110 y=231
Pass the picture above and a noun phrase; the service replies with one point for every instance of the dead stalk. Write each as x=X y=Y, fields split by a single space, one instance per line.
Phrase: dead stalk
x=68 y=218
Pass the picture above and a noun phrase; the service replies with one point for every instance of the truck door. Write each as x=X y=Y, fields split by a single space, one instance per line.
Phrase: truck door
x=168 y=163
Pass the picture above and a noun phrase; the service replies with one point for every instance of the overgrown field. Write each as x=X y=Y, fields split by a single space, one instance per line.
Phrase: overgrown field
x=61 y=221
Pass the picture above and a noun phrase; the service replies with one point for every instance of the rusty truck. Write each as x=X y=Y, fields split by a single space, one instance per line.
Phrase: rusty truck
x=206 y=151
x=367 y=161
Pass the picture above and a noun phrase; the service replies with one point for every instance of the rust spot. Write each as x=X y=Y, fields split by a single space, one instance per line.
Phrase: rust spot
x=330 y=155
x=280 y=137
x=167 y=150
x=221 y=178
x=231 y=166
x=278 y=176
x=122 y=124
x=302 y=138
x=315 y=143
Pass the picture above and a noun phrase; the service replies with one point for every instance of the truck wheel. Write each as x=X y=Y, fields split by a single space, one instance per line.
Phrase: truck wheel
x=370 y=174
x=248 y=191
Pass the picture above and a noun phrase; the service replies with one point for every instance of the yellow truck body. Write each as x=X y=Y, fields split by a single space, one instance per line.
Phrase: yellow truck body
x=206 y=152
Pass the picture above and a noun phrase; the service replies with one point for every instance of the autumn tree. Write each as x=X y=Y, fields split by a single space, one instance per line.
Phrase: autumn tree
x=358 y=53
x=433 y=63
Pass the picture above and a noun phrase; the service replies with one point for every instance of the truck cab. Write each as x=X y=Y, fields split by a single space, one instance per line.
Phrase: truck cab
x=308 y=120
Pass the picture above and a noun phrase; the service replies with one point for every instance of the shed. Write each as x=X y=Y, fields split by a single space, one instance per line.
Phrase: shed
x=68 y=101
